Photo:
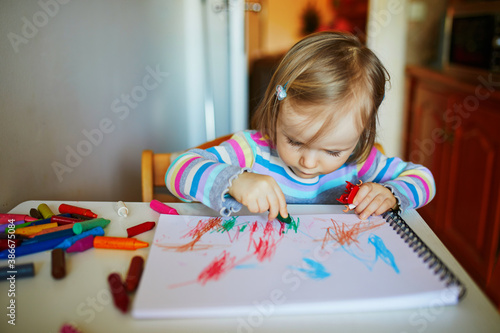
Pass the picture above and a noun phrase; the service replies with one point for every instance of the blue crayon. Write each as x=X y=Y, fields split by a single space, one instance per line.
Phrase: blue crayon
x=19 y=271
x=32 y=248
x=97 y=231
x=50 y=235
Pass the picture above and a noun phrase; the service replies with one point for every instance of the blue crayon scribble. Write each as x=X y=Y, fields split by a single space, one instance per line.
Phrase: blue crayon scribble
x=317 y=270
x=382 y=252
x=370 y=259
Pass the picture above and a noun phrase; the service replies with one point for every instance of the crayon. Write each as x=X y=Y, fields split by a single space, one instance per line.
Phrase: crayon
x=5 y=218
x=9 y=243
x=62 y=220
x=48 y=220
x=9 y=236
x=82 y=244
x=67 y=328
x=64 y=208
x=34 y=229
x=50 y=230
x=36 y=214
x=18 y=271
x=8 y=226
x=81 y=217
x=45 y=211
x=286 y=220
x=58 y=264
x=134 y=273
x=118 y=292
x=32 y=248
x=118 y=243
x=28 y=224
x=49 y=235
x=80 y=227
x=140 y=228
x=97 y=231
x=161 y=208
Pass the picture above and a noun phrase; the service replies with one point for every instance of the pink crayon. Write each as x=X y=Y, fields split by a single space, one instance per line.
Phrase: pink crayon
x=67 y=328
x=162 y=208
x=82 y=244
x=4 y=218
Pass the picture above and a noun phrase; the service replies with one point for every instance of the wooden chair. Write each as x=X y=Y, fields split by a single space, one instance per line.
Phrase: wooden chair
x=154 y=166
x=153 y=169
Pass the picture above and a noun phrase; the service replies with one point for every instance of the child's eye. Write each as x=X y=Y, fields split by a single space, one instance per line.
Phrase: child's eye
x=333 y=153
x=294 y=143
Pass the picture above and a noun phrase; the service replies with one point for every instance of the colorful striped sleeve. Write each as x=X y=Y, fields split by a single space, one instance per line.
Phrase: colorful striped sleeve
x=206 y=175
x=412 y=184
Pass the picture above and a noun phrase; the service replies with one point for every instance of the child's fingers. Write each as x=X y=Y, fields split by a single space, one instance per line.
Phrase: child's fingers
x=373 y=199
x=277 y=204
x=273 y=208
x=376 y=207
x=283 y=209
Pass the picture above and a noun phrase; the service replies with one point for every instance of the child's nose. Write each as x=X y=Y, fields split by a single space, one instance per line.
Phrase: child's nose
x=308 y=159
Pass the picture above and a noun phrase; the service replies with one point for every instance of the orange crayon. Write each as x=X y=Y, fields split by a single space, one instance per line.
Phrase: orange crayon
x=27 y=231
x=118 y=243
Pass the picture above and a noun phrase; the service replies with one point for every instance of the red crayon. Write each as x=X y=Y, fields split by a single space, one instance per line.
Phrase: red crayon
x=134 y=273
x=62 y=220
x=9 y=243
x=64 y=208
x=140 y=228
x=118 y=292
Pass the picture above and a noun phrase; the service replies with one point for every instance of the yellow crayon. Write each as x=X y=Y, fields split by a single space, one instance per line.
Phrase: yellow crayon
x=27 y=231
x=45 y=211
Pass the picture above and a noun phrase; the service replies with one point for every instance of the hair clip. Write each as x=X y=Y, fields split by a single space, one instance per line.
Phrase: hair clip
x=280 y=92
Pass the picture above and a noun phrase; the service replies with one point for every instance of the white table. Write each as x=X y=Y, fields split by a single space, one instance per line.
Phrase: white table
x=82 y=297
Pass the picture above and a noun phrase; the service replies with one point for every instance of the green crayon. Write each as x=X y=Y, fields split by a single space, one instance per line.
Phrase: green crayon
x=286 y=220
x=80 y=227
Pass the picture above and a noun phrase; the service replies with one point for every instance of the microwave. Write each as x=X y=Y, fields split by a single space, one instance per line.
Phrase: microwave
x=473 y=38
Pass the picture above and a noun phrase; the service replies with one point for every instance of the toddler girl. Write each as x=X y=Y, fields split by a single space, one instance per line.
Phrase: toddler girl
x=315 y=130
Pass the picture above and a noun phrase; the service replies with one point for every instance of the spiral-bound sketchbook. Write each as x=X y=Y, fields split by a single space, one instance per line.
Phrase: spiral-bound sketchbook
x=244 y=265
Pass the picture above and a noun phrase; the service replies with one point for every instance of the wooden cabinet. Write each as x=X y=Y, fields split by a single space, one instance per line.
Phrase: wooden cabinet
x=453 y=128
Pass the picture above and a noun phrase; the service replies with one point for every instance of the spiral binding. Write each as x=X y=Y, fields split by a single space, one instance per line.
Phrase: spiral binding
x=423 y=251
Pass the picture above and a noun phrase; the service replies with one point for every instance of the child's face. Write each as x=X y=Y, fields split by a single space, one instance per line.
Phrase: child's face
x=324 y=155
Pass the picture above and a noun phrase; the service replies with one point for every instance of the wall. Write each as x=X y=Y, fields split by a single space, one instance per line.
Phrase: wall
x=386 y=36
x=85 y=86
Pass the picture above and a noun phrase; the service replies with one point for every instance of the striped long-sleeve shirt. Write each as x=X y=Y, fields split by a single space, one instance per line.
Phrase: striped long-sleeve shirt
x=206 y=175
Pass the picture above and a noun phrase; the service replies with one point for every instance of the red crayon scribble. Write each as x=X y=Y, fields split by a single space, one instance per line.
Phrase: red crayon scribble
x=203 y=227
x=347 y=234
x=268 y=230
x=196 y=233
x=253 y=229
x=265 y=249
x=217 y=268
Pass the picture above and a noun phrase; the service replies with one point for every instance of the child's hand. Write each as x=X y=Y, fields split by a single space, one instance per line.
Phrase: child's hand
x=259 y=193
x=373 y=199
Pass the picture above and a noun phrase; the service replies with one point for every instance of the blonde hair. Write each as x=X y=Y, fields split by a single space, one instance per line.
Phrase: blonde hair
x=328 y=68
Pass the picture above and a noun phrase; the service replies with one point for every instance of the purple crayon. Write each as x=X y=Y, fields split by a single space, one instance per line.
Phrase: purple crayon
x=82 y=244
